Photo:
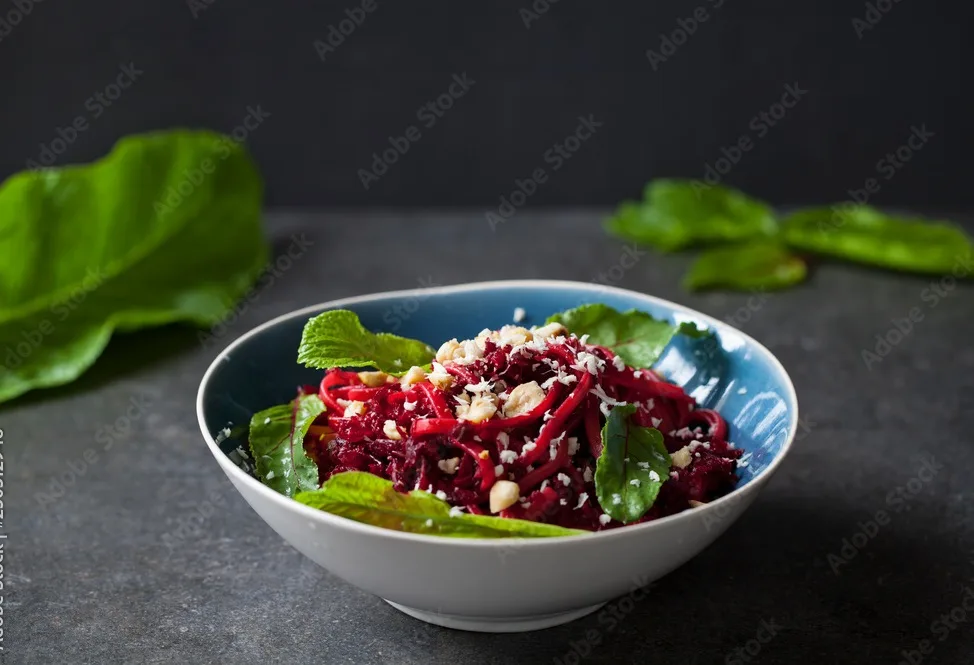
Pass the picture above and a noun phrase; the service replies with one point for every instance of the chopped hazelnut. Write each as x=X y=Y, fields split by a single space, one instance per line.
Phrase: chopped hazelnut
x=503 y=494
x=439 y=377
x=523 y=398
x=391 y=430
x=482 y=407
x=446 y=350
x=462 y=353
x=681 y=458
x=481 y=339
x=449 y=466
x=413 y=376
x=354 y=408
x=551 y=330
x=373 y=379
x=514 y=335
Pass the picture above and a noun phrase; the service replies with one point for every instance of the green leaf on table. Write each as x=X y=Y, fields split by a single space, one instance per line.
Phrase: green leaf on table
x=165 y=228
x=681 y=213
x=635 y=336
x=632 y=467
x=866 y=235
x=763 y=265
x=277 y=444
x=372 y=500
x=337 y=338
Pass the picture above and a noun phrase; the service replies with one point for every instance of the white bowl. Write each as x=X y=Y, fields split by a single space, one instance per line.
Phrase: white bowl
x=510 y=584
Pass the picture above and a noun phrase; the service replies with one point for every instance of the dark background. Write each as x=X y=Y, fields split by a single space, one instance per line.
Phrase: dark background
x=326 y=118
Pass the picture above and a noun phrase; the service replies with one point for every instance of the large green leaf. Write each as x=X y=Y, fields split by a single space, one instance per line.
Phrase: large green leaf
x=680 y=213
x=757 y=265
x=165 y=228
x=864 y=234
x=366 y=498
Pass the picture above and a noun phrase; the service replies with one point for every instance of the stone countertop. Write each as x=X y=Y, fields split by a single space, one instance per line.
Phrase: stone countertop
x=128 y=544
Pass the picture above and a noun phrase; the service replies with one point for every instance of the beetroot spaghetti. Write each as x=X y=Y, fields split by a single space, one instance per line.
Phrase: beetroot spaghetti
x=509 y=424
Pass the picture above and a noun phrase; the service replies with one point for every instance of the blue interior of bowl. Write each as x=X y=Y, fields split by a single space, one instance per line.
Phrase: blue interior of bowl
x=726 y=372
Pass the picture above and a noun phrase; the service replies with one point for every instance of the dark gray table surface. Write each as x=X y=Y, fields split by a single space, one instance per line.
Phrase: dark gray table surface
x=148 y=554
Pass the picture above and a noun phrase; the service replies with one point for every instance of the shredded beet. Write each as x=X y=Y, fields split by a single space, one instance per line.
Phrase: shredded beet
x=426 y=435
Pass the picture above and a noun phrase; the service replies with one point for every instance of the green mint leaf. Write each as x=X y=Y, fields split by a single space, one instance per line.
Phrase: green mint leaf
x=635 y=336
x=337 y=339
x=763 y=265
x=126 y=242
x=277 y=445
x=681 y=213
x=866 y=235
x=633 y=466
x=366 y=498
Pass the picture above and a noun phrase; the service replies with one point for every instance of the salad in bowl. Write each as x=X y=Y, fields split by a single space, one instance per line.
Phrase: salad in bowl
x=464 y=451
x=551 y=430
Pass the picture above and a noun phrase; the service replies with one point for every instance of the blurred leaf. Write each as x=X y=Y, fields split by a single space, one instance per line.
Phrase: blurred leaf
x=866 y=235
x=681 y=213
x=757 y=265
x=165 y=228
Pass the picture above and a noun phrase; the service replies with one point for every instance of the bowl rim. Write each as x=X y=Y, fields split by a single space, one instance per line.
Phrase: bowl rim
x=237 y=475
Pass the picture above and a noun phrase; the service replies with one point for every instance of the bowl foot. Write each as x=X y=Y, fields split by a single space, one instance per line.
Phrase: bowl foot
x=494 y=624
